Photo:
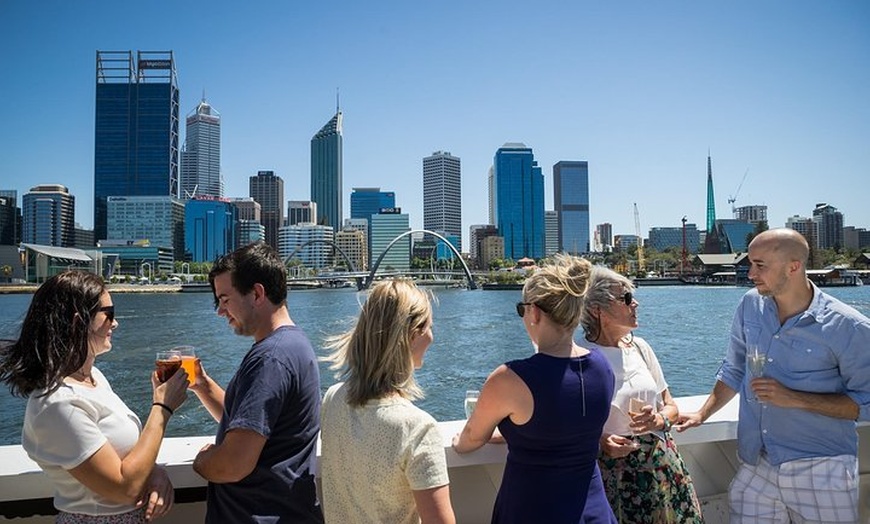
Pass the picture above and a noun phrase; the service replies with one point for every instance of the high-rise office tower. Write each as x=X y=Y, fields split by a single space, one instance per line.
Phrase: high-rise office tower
x=829 y=225
x=49 y=216
x=301 y=212
x=551 y=233
x=136 y=128
x=755 y=214
x=442 y=194
x=326 y=172
x=209 y=228
x=10 y=218
x=518 y=201
x=201 y=156
x=476 y=235
x=605 y=236
x=368 y=201
x=571 y=202
x=268 y=190
x=385 y=227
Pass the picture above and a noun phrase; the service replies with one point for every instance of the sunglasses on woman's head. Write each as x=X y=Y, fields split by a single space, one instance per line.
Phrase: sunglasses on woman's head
x=521 y=308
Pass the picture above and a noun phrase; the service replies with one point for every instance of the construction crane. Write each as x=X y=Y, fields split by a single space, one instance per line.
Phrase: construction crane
x=641 y=265
x=733 y=198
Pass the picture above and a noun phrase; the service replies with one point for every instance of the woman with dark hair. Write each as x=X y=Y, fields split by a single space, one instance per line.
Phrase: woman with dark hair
x=644 y=475
x=93 y=448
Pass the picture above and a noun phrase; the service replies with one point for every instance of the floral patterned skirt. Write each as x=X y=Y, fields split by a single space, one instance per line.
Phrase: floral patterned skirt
x=131 y=517
x=651 y=484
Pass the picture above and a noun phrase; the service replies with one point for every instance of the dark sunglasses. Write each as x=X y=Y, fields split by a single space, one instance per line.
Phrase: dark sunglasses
x=521 y=308
x=109 y=311
x=627 y=297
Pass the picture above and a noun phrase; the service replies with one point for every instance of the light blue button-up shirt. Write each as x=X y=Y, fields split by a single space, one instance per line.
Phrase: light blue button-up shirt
x=825 y=349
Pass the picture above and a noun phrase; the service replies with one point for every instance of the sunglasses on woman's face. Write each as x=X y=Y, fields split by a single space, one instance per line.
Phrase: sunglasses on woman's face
x=109 y=311
x=627 y=298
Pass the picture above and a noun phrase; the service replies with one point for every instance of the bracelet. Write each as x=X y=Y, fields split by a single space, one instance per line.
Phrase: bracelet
x=164 y=406
x=666 y=423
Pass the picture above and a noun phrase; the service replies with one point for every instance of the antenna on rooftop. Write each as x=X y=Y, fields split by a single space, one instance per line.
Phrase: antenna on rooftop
x=337 y=105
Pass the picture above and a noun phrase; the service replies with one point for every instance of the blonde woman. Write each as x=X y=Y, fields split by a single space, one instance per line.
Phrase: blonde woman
x=644 y=475
x=550 y=409
x=382 y=457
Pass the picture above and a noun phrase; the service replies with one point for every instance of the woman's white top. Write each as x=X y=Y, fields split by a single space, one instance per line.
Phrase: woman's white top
x=637 y=372
x=65 y=428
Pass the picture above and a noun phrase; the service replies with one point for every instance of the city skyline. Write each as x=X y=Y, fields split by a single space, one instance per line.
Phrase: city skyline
x=641 y=93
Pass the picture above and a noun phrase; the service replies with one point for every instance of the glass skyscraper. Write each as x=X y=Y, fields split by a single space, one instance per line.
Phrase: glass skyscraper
x=518 y=201
x=136 y=128
x=442 y=195
x=267 y=189
x=49 y=216
x=201 y=157
x=366 y=202
x=571 y=202
x=209 y=228
x=326 y=173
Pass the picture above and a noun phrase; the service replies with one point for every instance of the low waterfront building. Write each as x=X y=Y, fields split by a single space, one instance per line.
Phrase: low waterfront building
x=662 y=238
x=352 y=242
x=491 y=249
x=160 y=219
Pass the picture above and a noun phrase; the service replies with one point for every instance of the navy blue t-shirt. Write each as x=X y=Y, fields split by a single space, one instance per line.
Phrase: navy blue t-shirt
x=276 y=393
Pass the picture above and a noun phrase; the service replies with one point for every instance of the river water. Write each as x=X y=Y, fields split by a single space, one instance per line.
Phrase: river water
x=474 y=331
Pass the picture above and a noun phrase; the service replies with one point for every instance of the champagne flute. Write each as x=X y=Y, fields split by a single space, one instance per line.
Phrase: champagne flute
x=755 y=362
x=471 y=397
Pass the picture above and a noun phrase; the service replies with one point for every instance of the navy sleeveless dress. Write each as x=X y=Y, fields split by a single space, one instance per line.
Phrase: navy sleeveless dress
x=551 y=474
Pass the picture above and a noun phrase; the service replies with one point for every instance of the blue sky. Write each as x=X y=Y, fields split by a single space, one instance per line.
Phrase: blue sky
x=640 y=90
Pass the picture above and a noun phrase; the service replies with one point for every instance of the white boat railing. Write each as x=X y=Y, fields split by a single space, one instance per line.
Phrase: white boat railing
x=709 y=451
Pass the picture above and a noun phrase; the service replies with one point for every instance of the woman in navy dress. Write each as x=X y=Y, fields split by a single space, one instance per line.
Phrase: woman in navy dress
x=550 y=408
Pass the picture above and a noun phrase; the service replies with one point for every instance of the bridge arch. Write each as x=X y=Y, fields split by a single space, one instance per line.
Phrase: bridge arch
x=368 y=281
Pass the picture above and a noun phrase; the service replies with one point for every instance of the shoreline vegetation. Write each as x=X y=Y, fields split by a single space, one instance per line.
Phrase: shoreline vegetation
x=8 y=289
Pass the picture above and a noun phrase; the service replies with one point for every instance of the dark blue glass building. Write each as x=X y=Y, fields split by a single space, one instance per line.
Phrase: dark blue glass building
x=209 y=228
x=571 y=202
x=368 y=201
x=136 y=129
x=518 y=201
x=326 y=173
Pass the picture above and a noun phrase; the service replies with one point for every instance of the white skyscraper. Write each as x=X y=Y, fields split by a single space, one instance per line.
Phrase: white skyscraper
x=201 y=156
x=442 y=194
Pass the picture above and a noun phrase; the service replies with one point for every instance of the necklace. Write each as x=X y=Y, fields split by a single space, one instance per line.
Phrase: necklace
x=84 y=379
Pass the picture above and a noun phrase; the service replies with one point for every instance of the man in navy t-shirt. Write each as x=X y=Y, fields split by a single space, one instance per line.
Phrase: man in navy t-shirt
x=260 y=468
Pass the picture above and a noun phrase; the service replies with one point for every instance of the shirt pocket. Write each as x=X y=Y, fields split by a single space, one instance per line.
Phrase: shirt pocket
x=805 y=361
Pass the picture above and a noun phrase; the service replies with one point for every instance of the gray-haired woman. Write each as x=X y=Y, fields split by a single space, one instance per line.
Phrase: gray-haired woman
x=644 y=475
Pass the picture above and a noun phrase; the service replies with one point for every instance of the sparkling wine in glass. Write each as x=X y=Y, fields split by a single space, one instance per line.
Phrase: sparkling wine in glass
x=471 y=397
x=755 y=362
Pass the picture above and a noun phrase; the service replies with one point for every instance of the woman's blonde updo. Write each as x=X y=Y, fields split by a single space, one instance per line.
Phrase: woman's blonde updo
x=559 y=288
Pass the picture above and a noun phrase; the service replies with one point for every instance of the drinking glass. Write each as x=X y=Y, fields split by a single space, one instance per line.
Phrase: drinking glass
x=471 y=397
x=167 y=363
x=755 y=361
x=638 y=401
x=188 y=361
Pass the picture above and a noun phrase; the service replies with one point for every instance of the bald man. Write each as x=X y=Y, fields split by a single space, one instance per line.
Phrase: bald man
x=797 y=437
